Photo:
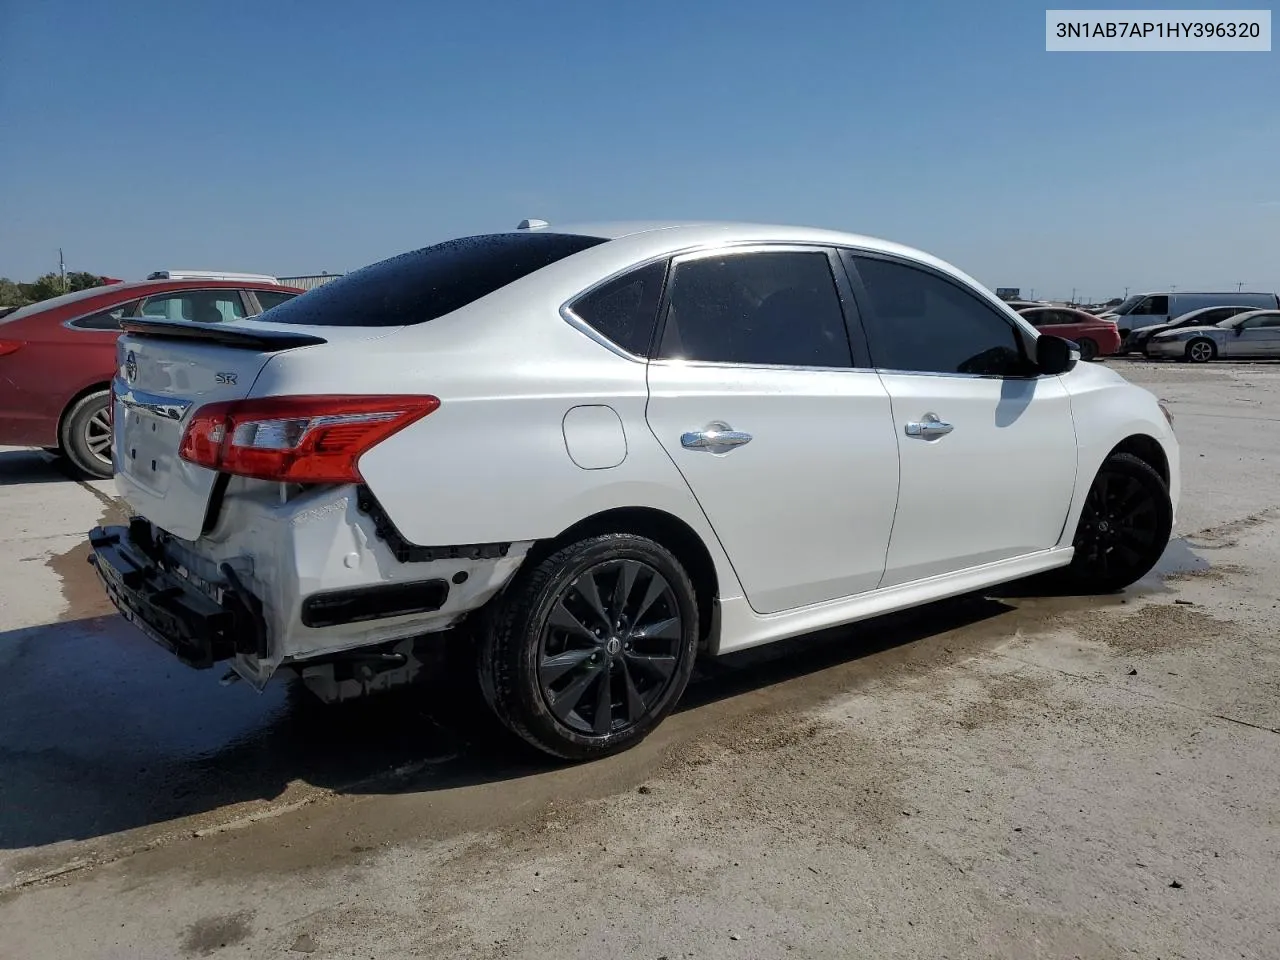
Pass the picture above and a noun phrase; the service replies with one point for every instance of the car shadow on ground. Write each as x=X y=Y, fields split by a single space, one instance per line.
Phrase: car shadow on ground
x=101 y=731
x=23 y=465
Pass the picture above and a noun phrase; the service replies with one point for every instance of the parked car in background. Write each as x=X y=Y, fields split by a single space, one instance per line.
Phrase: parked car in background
x=57 y=356
x=1204 y=317
x=1146 y=309
x=597 y=452
x=1096 y=337
x=1255 y=334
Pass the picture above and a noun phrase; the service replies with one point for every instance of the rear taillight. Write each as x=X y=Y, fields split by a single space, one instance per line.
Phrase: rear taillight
x=296 y=439
x=9 y=346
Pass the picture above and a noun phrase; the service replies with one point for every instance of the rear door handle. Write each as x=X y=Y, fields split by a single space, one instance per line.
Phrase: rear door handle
x=716 y=438
x=929 y=427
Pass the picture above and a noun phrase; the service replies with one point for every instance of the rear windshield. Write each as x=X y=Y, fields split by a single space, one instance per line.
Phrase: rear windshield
x=428 y=283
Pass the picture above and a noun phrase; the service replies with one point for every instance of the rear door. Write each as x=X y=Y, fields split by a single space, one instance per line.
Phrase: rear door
x=782 y=432
x=987 y=445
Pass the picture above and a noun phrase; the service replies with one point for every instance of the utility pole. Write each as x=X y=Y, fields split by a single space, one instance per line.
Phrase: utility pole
x=1239 y=285
x=1073 y=296
x=1126 y=293
x=62 y=270
x=1172 y=288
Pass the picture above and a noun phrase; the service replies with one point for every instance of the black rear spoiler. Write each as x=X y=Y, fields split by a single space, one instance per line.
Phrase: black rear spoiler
x=228 y=335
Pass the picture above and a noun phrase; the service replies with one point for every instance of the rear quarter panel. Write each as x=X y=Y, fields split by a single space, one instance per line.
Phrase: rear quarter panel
x=491 y=464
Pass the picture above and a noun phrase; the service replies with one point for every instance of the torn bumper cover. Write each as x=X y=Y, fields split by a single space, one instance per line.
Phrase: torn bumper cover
x=199 y=630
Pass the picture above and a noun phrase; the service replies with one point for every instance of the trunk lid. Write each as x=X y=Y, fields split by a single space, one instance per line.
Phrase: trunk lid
x=166 y=370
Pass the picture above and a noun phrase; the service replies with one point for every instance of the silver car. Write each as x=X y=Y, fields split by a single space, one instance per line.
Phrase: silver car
x=1255 y=334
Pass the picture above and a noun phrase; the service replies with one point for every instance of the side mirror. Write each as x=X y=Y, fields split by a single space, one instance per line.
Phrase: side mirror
x=1055 y=355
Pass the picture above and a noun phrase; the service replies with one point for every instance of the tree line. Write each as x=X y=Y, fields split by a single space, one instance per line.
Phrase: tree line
x=14 y=293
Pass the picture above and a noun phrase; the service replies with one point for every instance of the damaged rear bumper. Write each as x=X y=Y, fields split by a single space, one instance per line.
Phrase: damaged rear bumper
x=195 y=627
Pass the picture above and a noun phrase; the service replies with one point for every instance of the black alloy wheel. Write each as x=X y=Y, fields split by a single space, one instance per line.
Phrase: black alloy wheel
x=592 y=647
x=1124 y=527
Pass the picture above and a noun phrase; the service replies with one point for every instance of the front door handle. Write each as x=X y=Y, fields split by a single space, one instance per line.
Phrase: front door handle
x=716 y=438
x=929 y=427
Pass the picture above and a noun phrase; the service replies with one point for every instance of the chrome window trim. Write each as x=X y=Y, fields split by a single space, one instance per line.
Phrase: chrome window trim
x=684 y=254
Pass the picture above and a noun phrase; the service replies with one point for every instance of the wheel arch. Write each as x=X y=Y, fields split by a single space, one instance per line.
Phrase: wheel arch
x=1147 y=449
x=663 y=528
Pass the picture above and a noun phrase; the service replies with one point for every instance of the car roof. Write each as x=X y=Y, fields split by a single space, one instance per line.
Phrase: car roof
x=639 y=239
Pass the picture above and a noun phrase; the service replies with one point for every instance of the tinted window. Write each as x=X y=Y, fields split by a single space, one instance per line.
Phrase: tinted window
x=272 y=298
x=918 y=321
x=757 y=308
x=428 y=283
x=624 y=309
x=108 y=319
x=1262 y=320
x=202 y=306
x=1153 y=306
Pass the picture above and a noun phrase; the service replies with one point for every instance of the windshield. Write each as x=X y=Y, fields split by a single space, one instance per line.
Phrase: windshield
x=1127 y=305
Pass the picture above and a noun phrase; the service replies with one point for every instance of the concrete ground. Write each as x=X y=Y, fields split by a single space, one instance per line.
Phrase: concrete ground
x=1012 y=776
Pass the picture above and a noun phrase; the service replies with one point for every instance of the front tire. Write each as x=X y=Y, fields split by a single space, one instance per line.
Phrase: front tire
x=1124 y=527
x=86 y=435
x=1201 y=351
x=591 y=647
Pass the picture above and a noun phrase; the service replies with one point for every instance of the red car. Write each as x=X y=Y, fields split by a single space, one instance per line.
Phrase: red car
x=1096 y=337
x=57 y=357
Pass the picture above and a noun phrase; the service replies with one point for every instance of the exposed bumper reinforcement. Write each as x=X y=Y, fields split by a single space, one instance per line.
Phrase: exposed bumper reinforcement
x=192 y=626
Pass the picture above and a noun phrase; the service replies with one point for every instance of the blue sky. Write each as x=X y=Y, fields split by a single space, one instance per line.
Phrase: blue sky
x=294 y=137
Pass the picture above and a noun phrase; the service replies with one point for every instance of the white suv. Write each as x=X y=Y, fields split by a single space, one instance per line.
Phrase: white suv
x=597 y=452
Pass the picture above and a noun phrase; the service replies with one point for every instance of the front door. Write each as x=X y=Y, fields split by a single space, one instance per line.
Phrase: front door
x=784 y=439
x=987 y=448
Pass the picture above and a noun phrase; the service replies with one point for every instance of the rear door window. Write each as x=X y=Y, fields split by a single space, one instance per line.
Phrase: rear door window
x=761 y=308
x=425 y=284
x=200 y=306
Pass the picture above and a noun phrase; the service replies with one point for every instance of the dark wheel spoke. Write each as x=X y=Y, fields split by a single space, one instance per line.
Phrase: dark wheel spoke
x=660 y=666
x=587 y=588
x=657 y=587
x=565 y=702
x=628 y=571
x=554 y=667
x=604 y=705
x=564 y=619
x=661 y=630
x=634 y=701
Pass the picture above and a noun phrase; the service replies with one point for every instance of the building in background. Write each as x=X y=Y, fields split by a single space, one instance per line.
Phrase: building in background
x=311 y=282
x=1009 y=293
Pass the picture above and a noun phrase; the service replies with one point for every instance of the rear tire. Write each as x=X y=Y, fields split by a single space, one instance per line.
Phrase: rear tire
x=1124 y=527
x=590 y=648
x=86 y=435
x=1201 y=351
x=1088 y=349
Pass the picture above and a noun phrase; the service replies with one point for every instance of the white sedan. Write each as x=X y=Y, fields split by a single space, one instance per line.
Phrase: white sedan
x=598 y=452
